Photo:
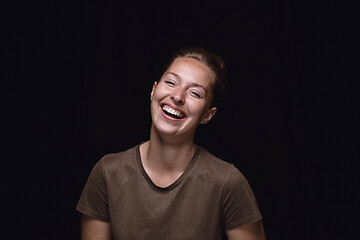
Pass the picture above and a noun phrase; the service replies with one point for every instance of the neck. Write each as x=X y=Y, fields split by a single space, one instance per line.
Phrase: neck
x=167 y=156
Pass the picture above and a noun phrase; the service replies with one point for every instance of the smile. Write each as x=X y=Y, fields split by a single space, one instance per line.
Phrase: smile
x=172 y=112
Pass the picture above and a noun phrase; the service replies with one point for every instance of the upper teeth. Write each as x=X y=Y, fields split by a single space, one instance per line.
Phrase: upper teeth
x=171 y=111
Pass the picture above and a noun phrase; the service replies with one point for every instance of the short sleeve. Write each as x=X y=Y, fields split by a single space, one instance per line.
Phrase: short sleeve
x=93 y=199
x=239 y=203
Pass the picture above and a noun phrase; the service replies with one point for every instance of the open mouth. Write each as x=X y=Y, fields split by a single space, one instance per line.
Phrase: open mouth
x=172 y=112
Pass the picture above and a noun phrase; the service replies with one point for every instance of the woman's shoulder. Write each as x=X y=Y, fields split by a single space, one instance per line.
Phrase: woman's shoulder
x=217 y=167
x=210 y=159
x=114 y=160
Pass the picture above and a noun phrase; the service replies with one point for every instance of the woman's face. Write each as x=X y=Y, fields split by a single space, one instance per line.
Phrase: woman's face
x=180 y=100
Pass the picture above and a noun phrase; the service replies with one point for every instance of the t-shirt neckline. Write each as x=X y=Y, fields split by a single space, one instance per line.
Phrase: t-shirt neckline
x=177 y=181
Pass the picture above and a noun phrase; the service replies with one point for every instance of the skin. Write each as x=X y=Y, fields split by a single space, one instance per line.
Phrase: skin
x=250 y=231
x=94 y=229
x=186 y=89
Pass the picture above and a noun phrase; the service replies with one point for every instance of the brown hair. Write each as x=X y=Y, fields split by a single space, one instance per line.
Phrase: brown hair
x=213 y=61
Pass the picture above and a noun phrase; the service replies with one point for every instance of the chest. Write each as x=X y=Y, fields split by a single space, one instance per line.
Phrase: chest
x=192 y=208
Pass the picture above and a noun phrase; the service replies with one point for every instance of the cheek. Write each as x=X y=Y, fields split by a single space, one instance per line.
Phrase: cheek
x=197 y=108
x=159 y=93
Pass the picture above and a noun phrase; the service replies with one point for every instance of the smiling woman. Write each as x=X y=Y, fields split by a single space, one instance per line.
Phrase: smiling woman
x=168 y=187
x=183 y=92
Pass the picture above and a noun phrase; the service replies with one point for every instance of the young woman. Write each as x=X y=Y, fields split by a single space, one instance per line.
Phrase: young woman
x=168 y=187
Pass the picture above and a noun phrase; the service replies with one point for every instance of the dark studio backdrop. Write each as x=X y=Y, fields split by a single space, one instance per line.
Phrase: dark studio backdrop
x=76 y=81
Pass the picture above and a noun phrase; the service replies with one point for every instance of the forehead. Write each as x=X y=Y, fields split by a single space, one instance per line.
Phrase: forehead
x=192 y=70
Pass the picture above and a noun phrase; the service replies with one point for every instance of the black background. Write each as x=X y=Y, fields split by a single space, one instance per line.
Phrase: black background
x=76 y=81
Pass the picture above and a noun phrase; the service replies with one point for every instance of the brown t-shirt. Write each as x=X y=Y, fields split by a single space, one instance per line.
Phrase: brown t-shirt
x=210 y=196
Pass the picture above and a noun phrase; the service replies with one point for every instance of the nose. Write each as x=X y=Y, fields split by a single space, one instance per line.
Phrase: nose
x=178 y=96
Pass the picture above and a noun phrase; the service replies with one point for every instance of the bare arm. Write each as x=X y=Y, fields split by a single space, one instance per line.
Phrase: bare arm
x=251 y=231
x=94 y=229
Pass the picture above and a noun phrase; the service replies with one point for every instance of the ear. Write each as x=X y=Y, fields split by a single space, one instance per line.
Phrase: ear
x=209 y=115
x=152 y=91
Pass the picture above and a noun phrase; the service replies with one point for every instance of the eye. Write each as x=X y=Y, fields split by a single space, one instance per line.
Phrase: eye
x=169 y=82
x=195 y=94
